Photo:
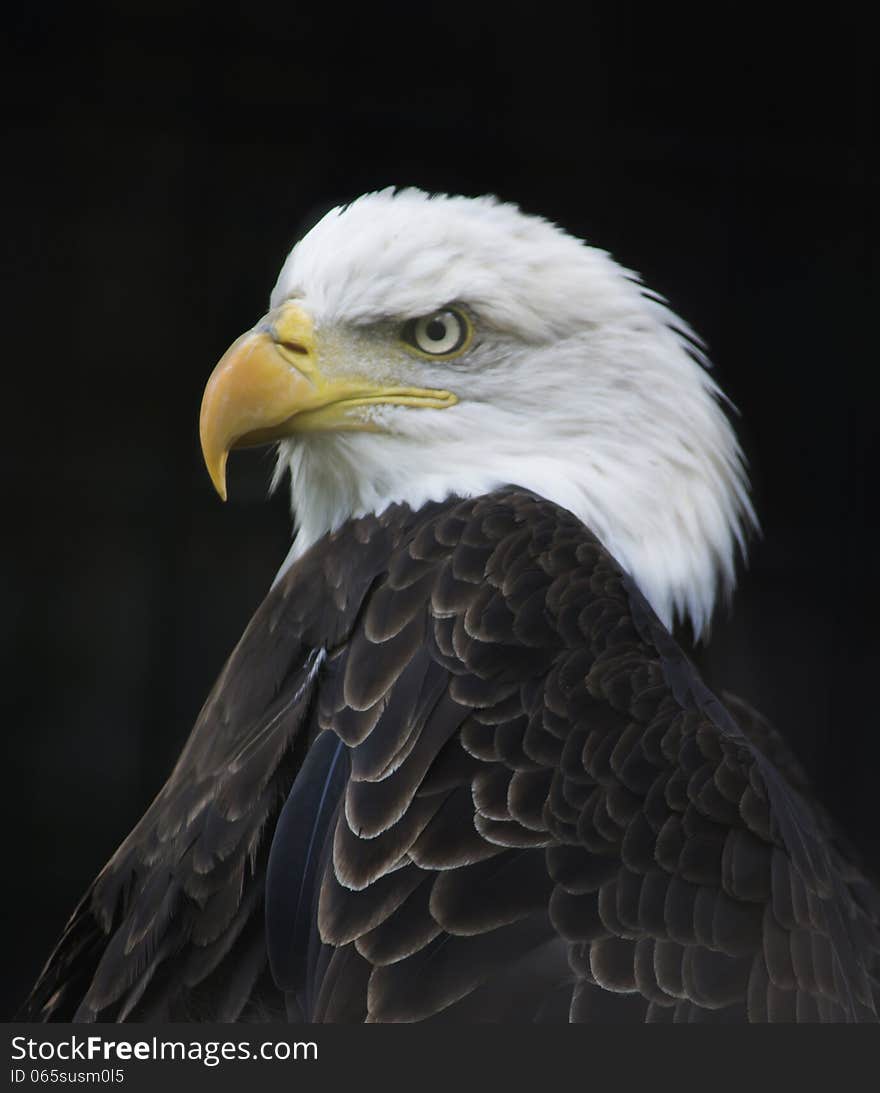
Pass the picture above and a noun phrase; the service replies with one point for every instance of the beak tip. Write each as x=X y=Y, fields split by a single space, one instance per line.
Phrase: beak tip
x=220 y=486
x=217 y=473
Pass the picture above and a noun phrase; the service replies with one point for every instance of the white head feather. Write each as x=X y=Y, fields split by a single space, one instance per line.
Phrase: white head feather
x=579 y=385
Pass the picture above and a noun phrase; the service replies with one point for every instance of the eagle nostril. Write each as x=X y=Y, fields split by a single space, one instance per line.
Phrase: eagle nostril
x=294 y=347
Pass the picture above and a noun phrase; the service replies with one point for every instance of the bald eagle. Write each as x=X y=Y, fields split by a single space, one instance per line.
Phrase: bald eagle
x=457 y=768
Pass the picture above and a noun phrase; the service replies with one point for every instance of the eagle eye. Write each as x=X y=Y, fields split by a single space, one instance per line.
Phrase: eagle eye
x=445 y=333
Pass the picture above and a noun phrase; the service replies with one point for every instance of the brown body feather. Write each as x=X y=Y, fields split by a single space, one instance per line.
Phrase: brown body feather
x=546 y=816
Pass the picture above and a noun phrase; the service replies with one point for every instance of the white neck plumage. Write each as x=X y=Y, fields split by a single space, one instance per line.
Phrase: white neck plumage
x=672 y=516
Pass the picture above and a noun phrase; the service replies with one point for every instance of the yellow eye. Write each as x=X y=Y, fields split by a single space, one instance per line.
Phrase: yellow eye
x=443 y=333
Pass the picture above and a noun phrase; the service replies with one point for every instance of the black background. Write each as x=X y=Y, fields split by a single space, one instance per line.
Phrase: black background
x=159 y=164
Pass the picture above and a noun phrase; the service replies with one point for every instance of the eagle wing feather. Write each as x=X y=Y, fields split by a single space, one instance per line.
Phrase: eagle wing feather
x=545 y=813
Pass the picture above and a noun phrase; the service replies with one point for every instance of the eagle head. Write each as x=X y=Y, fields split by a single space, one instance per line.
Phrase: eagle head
x=421 y=346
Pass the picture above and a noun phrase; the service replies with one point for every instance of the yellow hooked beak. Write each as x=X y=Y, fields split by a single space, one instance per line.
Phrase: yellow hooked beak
x=267 y=385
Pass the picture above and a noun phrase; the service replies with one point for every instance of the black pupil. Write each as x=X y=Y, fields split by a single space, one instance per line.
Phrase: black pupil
x=436 y=330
